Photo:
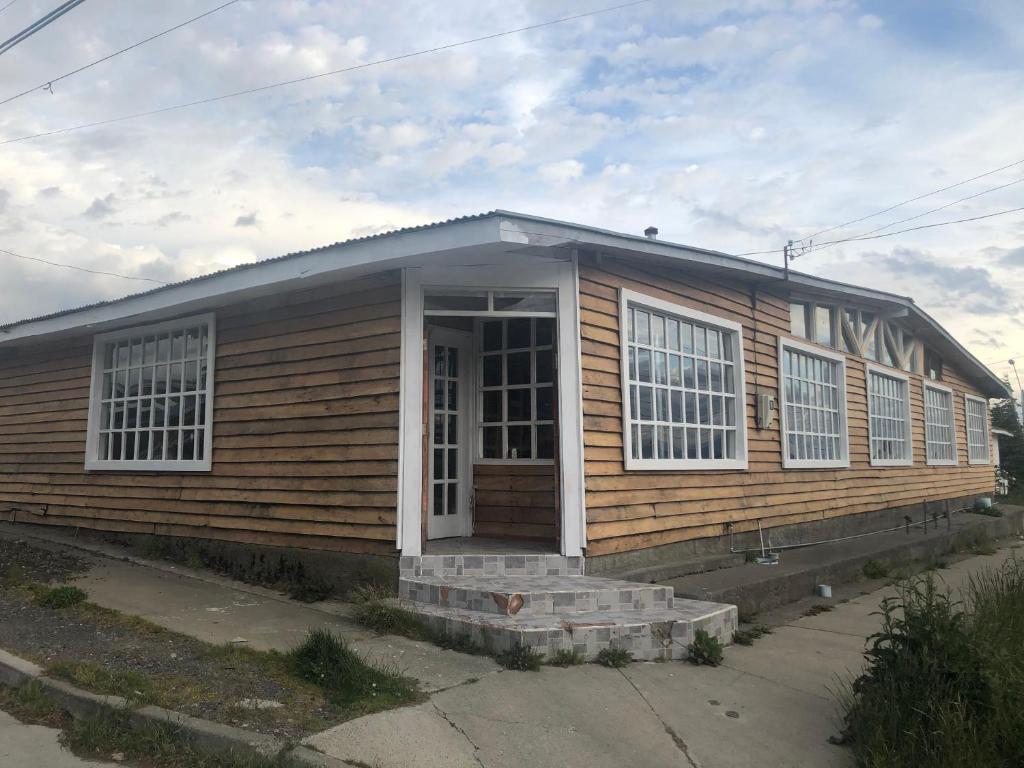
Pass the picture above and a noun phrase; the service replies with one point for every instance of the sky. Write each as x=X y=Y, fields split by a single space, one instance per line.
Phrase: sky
x=733 y=126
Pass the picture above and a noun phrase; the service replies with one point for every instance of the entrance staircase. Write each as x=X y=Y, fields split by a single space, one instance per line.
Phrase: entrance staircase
x=545 y=601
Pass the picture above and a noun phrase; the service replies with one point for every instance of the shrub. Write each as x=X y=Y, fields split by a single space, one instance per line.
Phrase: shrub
x=565 y=657
x=60 y=597
x=346 y=680
x=614 y=657
x=943 y=681
x=875 y=570
x=748 y=636
x=521 y=658
x=705 y=649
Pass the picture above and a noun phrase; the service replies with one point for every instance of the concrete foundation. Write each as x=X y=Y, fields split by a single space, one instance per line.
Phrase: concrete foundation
x=281 y=567
x=712 y=553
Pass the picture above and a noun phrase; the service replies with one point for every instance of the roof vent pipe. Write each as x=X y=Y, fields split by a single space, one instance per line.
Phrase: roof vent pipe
x=651 y=232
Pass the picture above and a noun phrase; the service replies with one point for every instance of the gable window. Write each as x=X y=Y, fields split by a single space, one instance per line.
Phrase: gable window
x=151 y=400
x=682 y=385
x=813 y=386
x=889 y=417
x=516 y=392
x=939 y=431
x=977 y=430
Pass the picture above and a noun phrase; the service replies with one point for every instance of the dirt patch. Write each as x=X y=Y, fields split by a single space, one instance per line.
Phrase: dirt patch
x=108 y=652
x=21 y=561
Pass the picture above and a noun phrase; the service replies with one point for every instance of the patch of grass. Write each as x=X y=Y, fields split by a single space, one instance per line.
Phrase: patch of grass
x=60 y=597
x=565 y=657
x=349 y=682
x=30 y=704
x=310 y=589
x=521 y=658
x=875 y=570
x=944 y=680
x=937 y=565
x=705 y=649
x=614 y=657
x=93 y=677
x=746 y=615
x=155 y=745
x=749 y=635
x=14 y=575
x=817 y=608
x=378 y=610
x=460 y=643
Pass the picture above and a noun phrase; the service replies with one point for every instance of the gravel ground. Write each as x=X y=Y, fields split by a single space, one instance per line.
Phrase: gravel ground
x=187 y=674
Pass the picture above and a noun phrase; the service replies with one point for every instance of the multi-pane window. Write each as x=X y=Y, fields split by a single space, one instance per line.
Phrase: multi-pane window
x=977 y=429
x=516 y=403
x=151 y=399
x=683 y=387
x=939 y=431
x=813 y=406
x=889 y=418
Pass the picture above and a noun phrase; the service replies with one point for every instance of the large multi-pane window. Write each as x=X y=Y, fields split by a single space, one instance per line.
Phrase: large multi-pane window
x=813 y=384
x=151 y=399
x=889 y=417
x=939 y=430
x=516 y=406
x=977 y=429
x=682 y=387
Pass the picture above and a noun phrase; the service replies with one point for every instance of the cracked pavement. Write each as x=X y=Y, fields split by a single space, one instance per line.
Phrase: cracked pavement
x=768 y=704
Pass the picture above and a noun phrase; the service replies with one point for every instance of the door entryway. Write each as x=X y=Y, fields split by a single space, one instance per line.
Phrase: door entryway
x=450 y=359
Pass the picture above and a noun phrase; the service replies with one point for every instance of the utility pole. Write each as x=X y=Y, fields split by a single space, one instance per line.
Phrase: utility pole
x=1020 y=390
x=35 y=26
x=793 y=249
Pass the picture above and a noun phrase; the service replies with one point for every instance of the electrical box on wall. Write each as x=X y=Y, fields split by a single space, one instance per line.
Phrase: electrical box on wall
x=767 y=406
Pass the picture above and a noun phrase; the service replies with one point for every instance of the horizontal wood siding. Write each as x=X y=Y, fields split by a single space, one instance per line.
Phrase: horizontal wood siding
x=305 y=430
x=634 y=510
x=514 y=501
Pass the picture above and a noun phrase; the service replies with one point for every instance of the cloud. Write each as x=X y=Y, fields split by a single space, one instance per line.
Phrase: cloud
x=561 y=172
x=49 y=192
x=174 y=217
x=246 y=220
x=100 y=208
x=870 y=21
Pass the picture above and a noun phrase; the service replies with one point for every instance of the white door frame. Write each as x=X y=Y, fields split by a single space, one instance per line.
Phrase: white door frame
x=462 y=524
x=541 y=274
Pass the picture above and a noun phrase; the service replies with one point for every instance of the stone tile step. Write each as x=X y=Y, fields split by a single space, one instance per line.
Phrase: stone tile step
x=540 y=564
x=648 y=635
x=535 y=595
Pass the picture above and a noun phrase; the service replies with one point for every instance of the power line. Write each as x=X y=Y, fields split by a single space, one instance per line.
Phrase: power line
x=81 y=269
x=914 y=199
x=12 y=2
x=944 y=207
x=858 y=238
x=49 y=83
x=38 y=24
x=342 y=70
x=915 y=229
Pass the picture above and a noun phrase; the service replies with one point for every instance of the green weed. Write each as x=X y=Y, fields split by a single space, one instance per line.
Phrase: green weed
x=705 y=649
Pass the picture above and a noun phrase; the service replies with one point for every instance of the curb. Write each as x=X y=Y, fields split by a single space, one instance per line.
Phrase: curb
x=205 y=735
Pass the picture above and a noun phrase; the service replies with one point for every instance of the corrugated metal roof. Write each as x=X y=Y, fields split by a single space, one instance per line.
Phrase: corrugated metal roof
x=242 y=267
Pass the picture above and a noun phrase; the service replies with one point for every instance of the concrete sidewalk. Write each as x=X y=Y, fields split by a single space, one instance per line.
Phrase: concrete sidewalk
x=769 y=704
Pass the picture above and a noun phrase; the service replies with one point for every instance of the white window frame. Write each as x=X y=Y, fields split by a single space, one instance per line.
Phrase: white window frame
x=629 y=298
x=986 y=444
x=927 y=384
x=92 y=460
x=824 y=353
x=892 y=373
x=533 y=386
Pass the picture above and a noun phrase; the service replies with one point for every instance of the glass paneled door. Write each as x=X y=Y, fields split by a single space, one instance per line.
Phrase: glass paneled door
x=449 y=459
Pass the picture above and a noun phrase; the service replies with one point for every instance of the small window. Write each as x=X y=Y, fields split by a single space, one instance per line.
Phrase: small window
x=682 y=384
x=813 y=385
x=798 y=319
x=932 y=365
x=151 y=403
x=977 y=430
x=516 y=389
x=939 y=430
x=823 y=333
x=889 y=418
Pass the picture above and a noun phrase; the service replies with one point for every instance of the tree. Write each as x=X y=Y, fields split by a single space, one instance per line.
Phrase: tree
x=1011 y=449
